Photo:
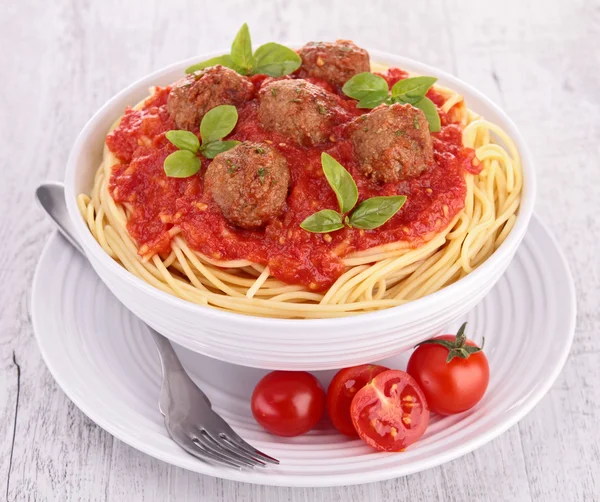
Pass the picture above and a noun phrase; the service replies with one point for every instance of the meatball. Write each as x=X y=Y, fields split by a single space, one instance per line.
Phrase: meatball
x=392 y=142
x=194 y=95
x=336 y=62
x=249 y=183
x=298 y=110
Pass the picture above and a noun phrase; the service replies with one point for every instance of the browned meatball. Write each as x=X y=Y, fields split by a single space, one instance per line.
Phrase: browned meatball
x=249 y=183
x=297 y=109
x=392 y=142
x=336 y=62
x=194 y=95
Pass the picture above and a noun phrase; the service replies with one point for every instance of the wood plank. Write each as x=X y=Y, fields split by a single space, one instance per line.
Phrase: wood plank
x=10 y=384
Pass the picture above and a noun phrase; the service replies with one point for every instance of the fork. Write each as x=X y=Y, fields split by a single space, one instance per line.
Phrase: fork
x=191 y=421
x=189 y=418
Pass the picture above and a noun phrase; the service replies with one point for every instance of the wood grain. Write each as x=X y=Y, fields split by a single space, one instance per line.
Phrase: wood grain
x=62 y=60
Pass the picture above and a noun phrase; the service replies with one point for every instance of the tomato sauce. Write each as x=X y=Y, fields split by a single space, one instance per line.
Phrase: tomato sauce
x=293 y=255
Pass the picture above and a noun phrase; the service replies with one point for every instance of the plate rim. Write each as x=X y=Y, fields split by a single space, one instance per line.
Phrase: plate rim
x=381 y=474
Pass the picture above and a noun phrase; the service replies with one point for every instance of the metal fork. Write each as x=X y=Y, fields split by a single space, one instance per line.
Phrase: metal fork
x=189 y=417
x=191 y=421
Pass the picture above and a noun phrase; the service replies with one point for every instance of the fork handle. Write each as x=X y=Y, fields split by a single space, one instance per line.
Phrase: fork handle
x=175 y=378
x=169 y=361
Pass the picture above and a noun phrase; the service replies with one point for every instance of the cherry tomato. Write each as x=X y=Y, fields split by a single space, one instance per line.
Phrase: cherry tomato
x=288 y=403
x=452 y=372
x=390 y=412
x=344 y=386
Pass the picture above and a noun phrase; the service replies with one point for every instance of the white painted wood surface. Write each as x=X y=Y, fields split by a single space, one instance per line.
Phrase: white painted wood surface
x=61 y=60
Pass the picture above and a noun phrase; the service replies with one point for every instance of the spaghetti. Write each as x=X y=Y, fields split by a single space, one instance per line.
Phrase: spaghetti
x=379 y=277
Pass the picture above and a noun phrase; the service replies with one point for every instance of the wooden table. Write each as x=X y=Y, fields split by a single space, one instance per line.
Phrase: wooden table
x=61 y=60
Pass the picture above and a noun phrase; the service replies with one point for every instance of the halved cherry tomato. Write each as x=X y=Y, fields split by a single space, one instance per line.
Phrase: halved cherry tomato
x=343 y=387
x=452 y=371
x=390 y=412
x=288 y=403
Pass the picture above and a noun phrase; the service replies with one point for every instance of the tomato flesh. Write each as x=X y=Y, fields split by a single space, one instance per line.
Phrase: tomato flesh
x=342 y=389
x=390 y=412
x=288 y=403
x=452 y=387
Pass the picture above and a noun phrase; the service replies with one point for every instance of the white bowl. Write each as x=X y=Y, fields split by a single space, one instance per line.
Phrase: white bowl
x=311 y=344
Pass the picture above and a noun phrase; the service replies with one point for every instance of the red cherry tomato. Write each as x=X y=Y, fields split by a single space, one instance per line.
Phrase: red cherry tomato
x=288 y=403
x=390 y=412
x=452 y=372
x=342 y=389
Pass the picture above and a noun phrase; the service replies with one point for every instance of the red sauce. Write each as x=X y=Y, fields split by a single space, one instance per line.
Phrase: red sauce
x=293 y=255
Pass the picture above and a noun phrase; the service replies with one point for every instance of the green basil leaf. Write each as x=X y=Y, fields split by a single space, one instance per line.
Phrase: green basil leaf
x=241 y=50
x=411 y=90
x=341 y=181
x=184 y=140
x=218 y=123
x=374 y=212
x=322 y=222
x=431 y=113
x=362 y=85
x=374 y=99
x=181 y=164
x=214 y=148
x=275 y=60
x=224 y=60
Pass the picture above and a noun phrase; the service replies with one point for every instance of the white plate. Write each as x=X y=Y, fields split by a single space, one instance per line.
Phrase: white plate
x=99 y=353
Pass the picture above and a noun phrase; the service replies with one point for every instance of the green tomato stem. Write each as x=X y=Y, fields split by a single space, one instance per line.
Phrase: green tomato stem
x=457 y=347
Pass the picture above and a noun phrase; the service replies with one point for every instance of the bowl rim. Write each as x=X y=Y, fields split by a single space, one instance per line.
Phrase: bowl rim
x=505 y=250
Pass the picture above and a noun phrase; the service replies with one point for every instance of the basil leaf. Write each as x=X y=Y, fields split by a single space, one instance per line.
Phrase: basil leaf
x=275 y=60
x=411 y=90
x=322 y=222
x=374 y=99
x=184 y=140
x=341 y=181
x=241 y=50
x=224 y=60
x=374 y=212
x=214 y=148
x=218 y=123
x=362 y=85
x=431 y=113
x=181 y=164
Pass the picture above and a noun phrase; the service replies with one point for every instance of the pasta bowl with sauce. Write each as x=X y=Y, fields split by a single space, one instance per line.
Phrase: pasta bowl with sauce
x=380 y=303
